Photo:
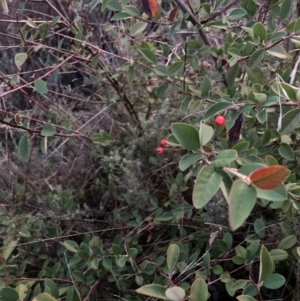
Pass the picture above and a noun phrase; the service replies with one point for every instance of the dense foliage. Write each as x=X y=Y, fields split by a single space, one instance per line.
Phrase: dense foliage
x=95 y=205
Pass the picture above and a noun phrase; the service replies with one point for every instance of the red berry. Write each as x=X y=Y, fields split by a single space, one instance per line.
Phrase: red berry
x=159 y=150
x=163 y=142
x=220 y=120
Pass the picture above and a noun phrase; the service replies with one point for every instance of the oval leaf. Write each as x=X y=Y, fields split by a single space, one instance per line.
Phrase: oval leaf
x=8 y=248
x=172 y=257
x=48 y=130
x=206 y=185
x=43 y=297
x=286 y=152
x=186 y=135
x=205 y=133
x=71 y=246
x=137 y=28
x=242 y=199
x=216 y=109
x=188 y=160
x=224 y=158
x=153 y=290
x=260 y=31
x=175 y=293
x=278 y=255
x=148 y=55
x=274 y=281
x=287 y=242
x=20 y=59
x=277 y=194
x=150 y=7
x=290 y=121
x=268 y=177
x=199 y=291
x=40 y=86
x=24 y=147
x=266 y=266
x=9 y=294
x=245 y=298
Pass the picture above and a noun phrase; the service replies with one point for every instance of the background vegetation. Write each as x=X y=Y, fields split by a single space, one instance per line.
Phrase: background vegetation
x=89 y=209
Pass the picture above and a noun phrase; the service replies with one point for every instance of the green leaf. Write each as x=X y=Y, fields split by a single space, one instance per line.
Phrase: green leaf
x=287 y=242
x=260 y=31
x=48 y=130
x=255 y=58
x=216 y=109
x=188 y=160
x=106 y=263
x=217 y=269
x=9 y=294
x=93 y=4
x=174 y=68
x=8 y=248
x=131 y=10
x=237 y=14
x=206 y=185
x=278 y=255
x=286 y=152
x=285 y=90
x=186 y=135
x=24 y=148
x=260 y=228
x=272 y=100
x=72 y=294
x=285 y=9
x=274 y=281
x=250 y=6
x=148 y=55
x=120 y=16
x=153 y=290
x=239 y=284
x=40 y=86
x=278 y=51
x=51 y=287
x=137 y=28
x=206 y=86
x=71 y=245
x=199 y=291
x=224 y=158
x=20 y=59
x=277 y=194
x=113 y=5
x=297 y=25
x=266 y=267
x=242 y=199
x=256 y=75
x=172 y=257
x=290 y=121
x=245 y=298
x=132 y=252
x=232 y=74
x=78 y=276
x=175 y=293
x=205 y=133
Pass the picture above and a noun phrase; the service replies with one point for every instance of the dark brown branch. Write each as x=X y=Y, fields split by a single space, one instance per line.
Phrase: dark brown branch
x=220 y=12
x=202 y=34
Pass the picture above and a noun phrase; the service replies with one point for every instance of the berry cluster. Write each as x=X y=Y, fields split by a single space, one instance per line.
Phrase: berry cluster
x=219 y=121
x=160 y=150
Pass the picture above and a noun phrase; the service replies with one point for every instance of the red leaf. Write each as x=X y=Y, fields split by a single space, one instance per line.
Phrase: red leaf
x=153 y=7
x=172 y=14
x=268 y=177
x=150 y=7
